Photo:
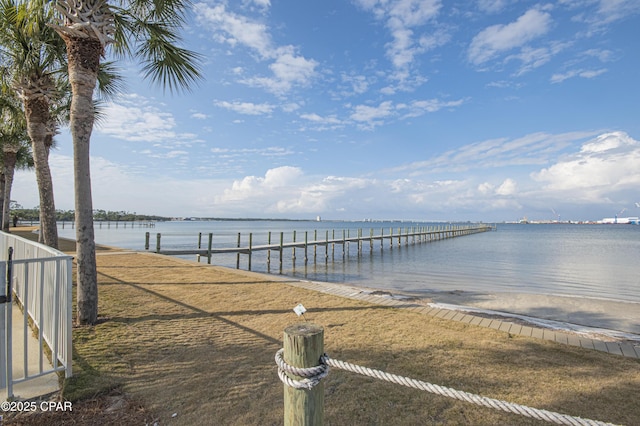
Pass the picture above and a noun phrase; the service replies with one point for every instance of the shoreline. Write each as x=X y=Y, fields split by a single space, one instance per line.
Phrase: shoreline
x=581 y=316
x=576 y=313
x=585 y=316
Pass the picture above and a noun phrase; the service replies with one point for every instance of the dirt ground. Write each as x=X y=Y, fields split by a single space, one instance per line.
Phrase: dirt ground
x=181 y=343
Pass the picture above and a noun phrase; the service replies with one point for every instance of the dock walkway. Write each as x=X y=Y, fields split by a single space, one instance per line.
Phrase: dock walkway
x=414 y=235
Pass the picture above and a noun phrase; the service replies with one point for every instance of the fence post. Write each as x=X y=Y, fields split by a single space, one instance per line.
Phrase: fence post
x=303 y=347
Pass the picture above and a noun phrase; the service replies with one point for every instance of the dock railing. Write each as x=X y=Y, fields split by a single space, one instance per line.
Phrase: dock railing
x=329 y=241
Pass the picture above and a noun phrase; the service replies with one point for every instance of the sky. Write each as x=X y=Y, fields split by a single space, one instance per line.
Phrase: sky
x=485 y=110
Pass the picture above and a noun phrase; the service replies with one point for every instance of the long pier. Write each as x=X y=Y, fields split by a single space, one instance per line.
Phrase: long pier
x=414 y=235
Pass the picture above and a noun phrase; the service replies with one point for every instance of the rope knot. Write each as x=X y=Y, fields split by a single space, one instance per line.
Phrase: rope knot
x=311 y=376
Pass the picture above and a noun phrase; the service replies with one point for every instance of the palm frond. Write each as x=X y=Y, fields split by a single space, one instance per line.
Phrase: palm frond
x=149 y=30
x=110 y=80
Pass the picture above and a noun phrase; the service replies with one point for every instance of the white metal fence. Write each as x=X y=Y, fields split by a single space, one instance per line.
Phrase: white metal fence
x=41 y=282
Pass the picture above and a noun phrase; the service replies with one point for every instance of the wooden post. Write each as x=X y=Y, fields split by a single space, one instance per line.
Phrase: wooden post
x=250 y=248
x=238 y=255
x=158 y=242
x=281 y=242
x=333 y=245
x=371 y=241
x=326 y=247
x=269 y=253
x=293 y=252
x=146 y=241
x=210 y=247
x=303 y=347
x=315 y=246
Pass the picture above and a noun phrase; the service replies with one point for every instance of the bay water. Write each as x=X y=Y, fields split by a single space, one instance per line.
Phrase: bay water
x=593 y=261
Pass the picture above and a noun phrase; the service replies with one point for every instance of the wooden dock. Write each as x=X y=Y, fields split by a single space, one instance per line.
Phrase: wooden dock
x=415 y=235
x=112 y=223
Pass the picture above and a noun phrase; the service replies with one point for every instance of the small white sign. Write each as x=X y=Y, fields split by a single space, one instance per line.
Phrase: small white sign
x=299 y=310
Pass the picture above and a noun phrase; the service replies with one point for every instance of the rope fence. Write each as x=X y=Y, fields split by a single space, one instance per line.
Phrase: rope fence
x=311 y=377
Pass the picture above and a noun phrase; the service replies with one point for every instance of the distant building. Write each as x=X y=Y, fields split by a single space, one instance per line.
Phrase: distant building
x=621 y=220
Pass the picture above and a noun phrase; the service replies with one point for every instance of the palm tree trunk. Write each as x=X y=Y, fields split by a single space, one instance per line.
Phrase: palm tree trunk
x=2 y=184
x=36 y=110
x=10 y=156
x=84 y=59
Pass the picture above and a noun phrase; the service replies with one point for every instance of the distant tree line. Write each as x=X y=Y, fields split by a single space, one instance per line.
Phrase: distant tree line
x=33 y=214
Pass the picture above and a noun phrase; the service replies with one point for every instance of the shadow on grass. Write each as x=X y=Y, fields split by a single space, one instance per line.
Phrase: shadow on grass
x=200 y=313
x=205 y=368
x=87 y=380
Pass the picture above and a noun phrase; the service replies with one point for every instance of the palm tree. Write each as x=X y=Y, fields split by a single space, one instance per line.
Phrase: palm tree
x=32 y=58
x=15 y=148
x=144 y=30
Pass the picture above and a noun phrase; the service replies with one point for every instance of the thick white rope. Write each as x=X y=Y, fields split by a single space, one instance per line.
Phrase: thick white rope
x=312 y=375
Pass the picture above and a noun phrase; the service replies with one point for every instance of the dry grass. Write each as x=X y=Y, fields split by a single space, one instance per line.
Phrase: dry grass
x=194 y=344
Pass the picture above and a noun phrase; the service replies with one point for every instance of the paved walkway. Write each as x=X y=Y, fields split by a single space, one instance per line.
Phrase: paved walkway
x=38 y=386
x=623 y=348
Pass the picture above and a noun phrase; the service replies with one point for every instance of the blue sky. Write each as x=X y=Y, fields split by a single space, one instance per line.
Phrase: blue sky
x=403 y=109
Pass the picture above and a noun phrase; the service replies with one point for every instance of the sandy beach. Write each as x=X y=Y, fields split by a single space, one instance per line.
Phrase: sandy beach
x=610 y=317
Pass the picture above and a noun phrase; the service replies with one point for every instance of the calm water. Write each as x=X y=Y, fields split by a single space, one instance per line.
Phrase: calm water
x=601 y=261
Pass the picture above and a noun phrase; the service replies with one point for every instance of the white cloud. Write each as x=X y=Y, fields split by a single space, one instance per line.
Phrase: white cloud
x=508 y=187
x=318 y=119
x=142 y=192
x=272 y=151
x=246 y=108
x=402 y=19
x=234 y=29
x=533 y=149
x=199 y=116
x=610 y=11
x=132 y=122
x=603 y=167
x=559 y=78
x=138 y=119
x=358 y=83
x=289 y=68
x=418 y=108
x=370 y=116
x=262 y=3
x=532 y=58
x=503 y=37
x=492 y=6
